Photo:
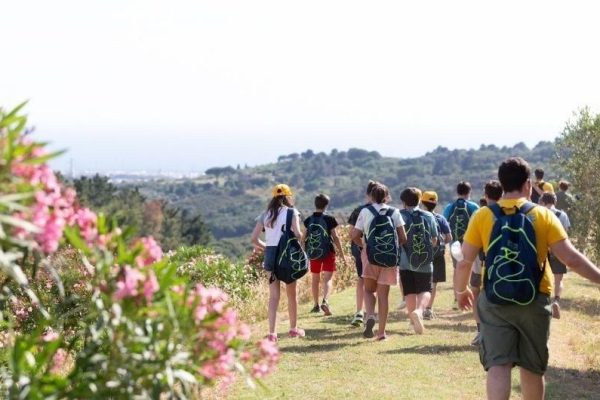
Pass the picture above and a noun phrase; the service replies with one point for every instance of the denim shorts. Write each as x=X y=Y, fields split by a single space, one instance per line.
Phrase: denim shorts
x=270 y=258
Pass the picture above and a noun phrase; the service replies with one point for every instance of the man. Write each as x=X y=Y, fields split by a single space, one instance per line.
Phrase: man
x=540 y=187
x=515 y=334
x=564 y=200
x=458 y=213
x=559 y=269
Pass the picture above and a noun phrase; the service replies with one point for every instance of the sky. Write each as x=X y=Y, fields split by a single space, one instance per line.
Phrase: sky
x=186 y=85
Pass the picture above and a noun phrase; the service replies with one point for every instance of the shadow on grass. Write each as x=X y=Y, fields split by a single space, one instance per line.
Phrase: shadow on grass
x=321 y=347
x=455 y=327
x=433 y=349
x=584 y=305
x=568 y=383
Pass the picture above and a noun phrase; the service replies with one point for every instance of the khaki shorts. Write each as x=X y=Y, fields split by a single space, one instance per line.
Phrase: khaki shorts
x=513 y=334
x=382 y=275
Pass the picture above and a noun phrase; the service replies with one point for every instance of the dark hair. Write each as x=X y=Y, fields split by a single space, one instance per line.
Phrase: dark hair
x=548 y=198
x=513 y=173
x=429 y=206
x=274 y=206
x=379 y=193
x=410 y=196
x=370 y=186
x=483 y=202
x=564 y=185
x=493 y=190
x=463 y=188
x=321 y=201
x=539 y=173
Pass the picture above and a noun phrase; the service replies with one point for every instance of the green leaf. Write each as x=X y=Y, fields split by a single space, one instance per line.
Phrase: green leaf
x=19 y=223
x=74 y=238
x=45 y=158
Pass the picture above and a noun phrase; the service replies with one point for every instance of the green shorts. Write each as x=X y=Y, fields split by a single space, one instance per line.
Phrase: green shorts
x=513 y=334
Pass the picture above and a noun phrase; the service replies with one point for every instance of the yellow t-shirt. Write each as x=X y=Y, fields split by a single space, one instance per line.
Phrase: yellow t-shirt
x=548 y=230
x=546 y=187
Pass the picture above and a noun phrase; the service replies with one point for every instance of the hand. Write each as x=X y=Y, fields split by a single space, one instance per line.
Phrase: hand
x=465 y=299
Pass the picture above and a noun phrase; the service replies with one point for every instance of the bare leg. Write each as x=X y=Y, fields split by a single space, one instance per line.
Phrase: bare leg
x=327 y=284
x=411 y=302
x=383 y=292
x=422 y=301
x=292 y=304
x=558 y=284
x=360 y=295
x=315 y=287
x=532 y=385
x=433 y=293
x=274 y=290
x=370 y=288
x=475 y=296
x=498 y=382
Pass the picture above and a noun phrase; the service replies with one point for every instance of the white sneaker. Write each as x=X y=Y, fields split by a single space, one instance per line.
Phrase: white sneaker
x=555 y=310
x=402 y=305
x=417 y=319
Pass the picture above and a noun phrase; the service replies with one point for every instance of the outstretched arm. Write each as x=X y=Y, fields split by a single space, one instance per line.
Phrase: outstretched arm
x=576 y=261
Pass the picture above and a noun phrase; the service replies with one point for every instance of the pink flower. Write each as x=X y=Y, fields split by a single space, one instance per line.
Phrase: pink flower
x=57 y=364
x=128 y=285
x=150 y=286
x=151 y=252
x=50 y=336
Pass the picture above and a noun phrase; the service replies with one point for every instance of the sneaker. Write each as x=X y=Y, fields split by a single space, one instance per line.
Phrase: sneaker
x=382 y=338
x=271 y=337
x=428 y=314
x=476 y=340
x=555 y=310
x=368 y=333
x=402 y=305
x=325 y=308
x=297 y=333
x=417 y=320
x=357 y=320
x=316 y=309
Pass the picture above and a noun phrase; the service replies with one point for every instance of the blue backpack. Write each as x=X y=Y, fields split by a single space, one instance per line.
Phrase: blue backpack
x=441 y=245
x=512 y=274
x=459 y=219
x=418 y=247
x=292 y=263
x=382 y=239
x=318 y=240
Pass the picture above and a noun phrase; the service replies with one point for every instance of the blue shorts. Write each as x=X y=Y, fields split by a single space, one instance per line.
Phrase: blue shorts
x=270 y=258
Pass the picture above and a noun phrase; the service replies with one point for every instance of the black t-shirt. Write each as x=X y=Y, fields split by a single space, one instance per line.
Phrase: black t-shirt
x=329 y=220
x=354 y=216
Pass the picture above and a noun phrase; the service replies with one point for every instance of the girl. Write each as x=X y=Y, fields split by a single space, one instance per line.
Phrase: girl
x=272 y=222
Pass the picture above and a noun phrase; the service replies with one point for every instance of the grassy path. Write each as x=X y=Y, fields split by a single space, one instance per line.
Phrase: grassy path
x=335 y=362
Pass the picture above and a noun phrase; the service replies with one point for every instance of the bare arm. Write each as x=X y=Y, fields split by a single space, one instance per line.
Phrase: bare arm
x=356 y=237
x=401 y=235
x=579 y=263
x=447 y=238
x=258 y=244
x=463 y=274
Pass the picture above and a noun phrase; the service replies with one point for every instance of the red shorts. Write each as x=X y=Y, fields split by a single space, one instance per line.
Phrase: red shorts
x=326 y=264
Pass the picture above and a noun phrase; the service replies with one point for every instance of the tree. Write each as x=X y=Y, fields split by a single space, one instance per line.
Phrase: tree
x=578 y=154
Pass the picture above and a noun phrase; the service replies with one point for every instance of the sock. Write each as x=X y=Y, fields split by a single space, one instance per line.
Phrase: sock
x=478 y=327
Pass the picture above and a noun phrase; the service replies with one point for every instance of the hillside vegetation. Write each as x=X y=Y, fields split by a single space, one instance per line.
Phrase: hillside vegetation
x=229 y=199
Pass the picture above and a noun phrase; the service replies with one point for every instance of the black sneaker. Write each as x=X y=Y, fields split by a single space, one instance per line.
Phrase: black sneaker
x=368 y=333
x=316 y=309
x=325 y=308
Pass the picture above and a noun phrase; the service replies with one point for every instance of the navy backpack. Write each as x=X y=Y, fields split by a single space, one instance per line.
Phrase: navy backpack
x=292 y=263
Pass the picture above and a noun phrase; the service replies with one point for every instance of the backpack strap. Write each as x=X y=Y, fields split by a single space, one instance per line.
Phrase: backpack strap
x=373 y=210
x=527 y=207
x=288 y=220
x=558 y=213
x=390 y=212
x=497 y=210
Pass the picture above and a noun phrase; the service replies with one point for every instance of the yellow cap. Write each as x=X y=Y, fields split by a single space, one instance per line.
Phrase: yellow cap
x=282 y=190
x=430 y=197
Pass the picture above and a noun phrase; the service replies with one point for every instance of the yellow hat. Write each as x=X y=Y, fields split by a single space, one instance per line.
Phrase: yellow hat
x=430 y=197
x=282 y=190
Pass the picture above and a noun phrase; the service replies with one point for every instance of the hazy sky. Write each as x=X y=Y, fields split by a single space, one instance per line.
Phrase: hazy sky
x=185 y=85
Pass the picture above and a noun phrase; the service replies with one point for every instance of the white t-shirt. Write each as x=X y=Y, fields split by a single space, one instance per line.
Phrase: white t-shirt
x=272 y=235
x=563 y=218
x=366 y=216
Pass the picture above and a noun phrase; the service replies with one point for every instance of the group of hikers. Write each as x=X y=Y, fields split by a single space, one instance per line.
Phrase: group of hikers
x=509 y=251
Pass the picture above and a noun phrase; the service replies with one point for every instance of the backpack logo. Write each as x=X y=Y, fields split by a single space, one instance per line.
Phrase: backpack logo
x=382 y=239
x=318 y=241
x=513 y=274
x=418 y=246
x=459 y=219
x=292 y=263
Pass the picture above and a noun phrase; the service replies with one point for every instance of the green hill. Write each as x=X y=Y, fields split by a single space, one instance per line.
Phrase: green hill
x=230 y=198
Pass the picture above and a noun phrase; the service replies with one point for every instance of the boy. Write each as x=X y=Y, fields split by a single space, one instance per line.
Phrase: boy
x=540 y=186
x=516 y=334
x=319 y=238
x=558 y=268
x=416 y=261
x=429 y=201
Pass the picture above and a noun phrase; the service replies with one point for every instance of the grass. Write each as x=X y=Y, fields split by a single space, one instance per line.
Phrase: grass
x=335 y=362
